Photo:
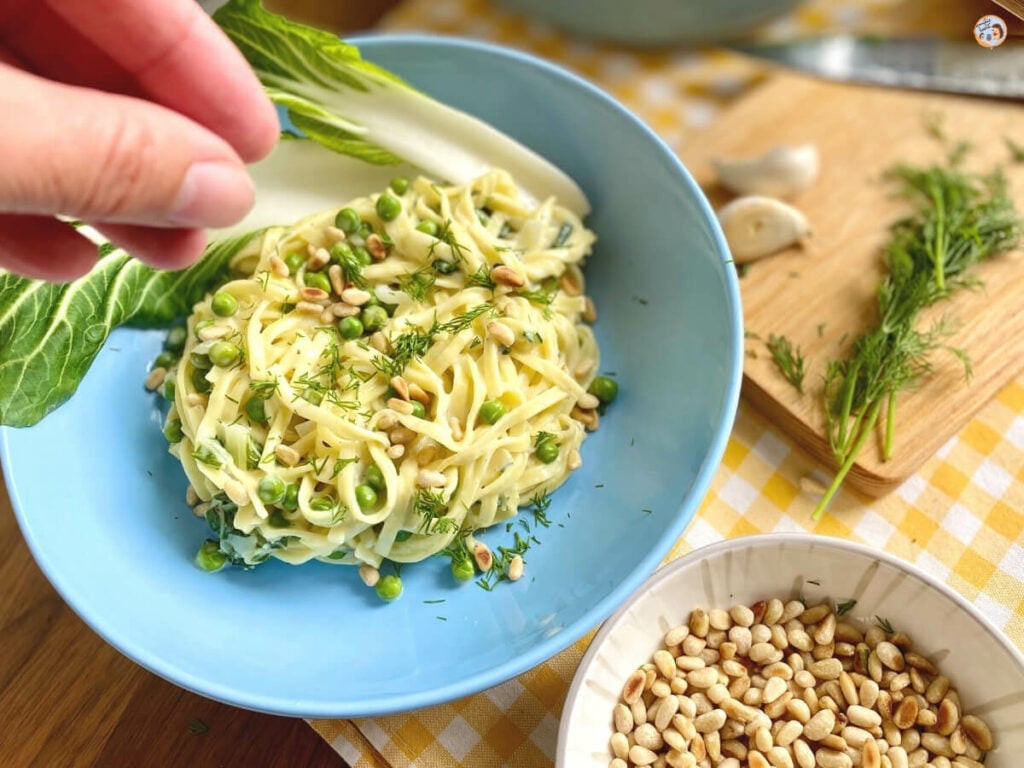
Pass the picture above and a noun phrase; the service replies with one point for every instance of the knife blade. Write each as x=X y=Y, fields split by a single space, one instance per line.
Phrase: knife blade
x=921 y=63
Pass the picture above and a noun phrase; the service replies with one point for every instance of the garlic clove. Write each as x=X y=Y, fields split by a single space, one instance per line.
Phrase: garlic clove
x=781 y=172
x=756 y=226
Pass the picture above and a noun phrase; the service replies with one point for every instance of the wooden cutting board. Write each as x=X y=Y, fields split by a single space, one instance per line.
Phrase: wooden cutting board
x=822 y=295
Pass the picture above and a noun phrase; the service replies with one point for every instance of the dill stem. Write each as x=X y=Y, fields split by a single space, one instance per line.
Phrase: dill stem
x=890 y=427
x=939 y=254
x=849 y=385
x=862 y=436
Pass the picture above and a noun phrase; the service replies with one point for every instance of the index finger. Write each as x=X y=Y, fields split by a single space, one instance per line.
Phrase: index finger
x=182 y=60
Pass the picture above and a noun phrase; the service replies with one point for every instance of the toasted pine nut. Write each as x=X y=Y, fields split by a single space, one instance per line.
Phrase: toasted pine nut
x=200 y=510
x=570 y=284
x=369 y=575
x=317 y=259
x=380 y=342
x=507 y=276
x=396 y=451
x=156 y=378
x=588 y=401
x=277 y=266
x=515 y=572
x=978 y=732
x=376 y=247
x=314 y=295
x=195 y=399
x=401 y=436
x=398 y=405
x=501 y=333
x=191 y=497
x=589 y=314
x=334 y=234
x=287 y=455
x=417 y=393
x=584 y=369
x=575 y=461
x=386 y=421
x=484 y=560
x=341 y=309
x=401 y=386
x=623 y=719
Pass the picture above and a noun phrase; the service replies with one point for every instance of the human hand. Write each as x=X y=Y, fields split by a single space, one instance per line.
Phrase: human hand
x=135 y=116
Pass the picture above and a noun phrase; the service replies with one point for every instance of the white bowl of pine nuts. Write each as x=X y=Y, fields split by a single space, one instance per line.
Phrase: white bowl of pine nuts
x=795 y=651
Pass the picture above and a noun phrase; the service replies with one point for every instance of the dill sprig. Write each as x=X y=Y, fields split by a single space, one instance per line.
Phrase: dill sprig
x=418 y=284
x=482 y=278
x=433 y=510
x=959 y=220
x=789 y=359
x=415 y=343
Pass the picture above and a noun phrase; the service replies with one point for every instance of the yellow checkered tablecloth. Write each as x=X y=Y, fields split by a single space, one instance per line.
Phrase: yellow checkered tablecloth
x=959 y=518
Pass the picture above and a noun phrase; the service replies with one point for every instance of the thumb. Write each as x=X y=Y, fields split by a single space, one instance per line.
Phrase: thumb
x=109 y=158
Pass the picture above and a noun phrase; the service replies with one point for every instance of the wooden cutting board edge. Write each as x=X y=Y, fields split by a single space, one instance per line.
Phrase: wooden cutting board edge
x=999 y=362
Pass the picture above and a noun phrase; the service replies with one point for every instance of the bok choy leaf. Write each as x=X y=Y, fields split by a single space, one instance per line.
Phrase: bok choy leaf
x=51 y=332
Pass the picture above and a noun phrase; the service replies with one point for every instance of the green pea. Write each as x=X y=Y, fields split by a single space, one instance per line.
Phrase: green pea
x=318 y=280
x=365 y=230
x=224 y=354
x=374 y=317
x=604 y=389
x=443 y=267
x=176 y=338
x=547 y=451
x=278 y=520
x=375 y=478
x=350 y=327
x=202 y=385
x=172 y=431
x=400 y=185
x=256 y=409
x=165 y=360
x=429 y=226
x=366 y=497
x=403 y=536
x=209 y=557
x=291 y=497
x=271 y=489
x=200 y=361
x=294 y=262
x=389 y=588
x=321 y=504
x=463 y=570
x=169 y=389
x=388 y=207
x=224 y=304
x=362 y=255
x=418 y=409
x=347 y=220
x=492 y=410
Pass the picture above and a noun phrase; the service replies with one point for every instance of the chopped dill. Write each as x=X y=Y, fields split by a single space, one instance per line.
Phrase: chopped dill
x=351 y=267
x=789 y=359
x=884 y=624
x=414 y=343
x=418 y=284
x=432 y=509
x=845 y=607
x=563 y=235
x=482 y=278
x=539 y=507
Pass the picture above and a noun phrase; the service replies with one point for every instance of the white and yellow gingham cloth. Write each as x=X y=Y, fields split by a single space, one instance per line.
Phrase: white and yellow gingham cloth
x=961 y=517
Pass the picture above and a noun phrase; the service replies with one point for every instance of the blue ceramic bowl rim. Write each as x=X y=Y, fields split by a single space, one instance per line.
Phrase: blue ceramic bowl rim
x=597 y=613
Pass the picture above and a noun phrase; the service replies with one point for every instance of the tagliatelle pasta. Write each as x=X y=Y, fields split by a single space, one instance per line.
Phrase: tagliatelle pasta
x=389 y=377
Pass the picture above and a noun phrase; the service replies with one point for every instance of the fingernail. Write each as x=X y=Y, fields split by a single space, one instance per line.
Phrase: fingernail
x=212 y=194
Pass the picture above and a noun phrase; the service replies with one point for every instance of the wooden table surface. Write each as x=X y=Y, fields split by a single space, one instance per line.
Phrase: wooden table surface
x=67 y=699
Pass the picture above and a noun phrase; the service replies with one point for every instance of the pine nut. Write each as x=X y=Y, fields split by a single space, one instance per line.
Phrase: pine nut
x=337 y=278
x=155 y=378
x=398 y=405
x=214 y=332
x=375 y=245
x=864 y=717
x=803 y=754
x=898 y=757
x=947 y=718
x=308 y=308
x=380 y=342
x=575 y=461
x=641 y=755
x=396 y=451
x=648 y=736
x=401 y=436
x=427 y=478
x=515 y=568
x=341 y=309
x=507 y=276
x=589 y=313
x=401 y=387
x=826 y=669
x=317 y=259
x=277 y=266
x=456 y=427
x=623 y=719
x=978 y=732
x=820 y=725
x=634 y=687
x=357 y=297
x=200 y=510
x=830 y=758
x=709 y=721
x=501 y=333
x=890 y=656
x=620 y=746
x=780 y=757
x=417 y=393
x=236 y=492
x=287 y=455
x=369 y=575
x=334 y=234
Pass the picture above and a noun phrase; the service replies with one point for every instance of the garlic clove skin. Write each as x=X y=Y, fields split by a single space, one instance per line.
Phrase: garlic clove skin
x=781 y=172
x=756 y=226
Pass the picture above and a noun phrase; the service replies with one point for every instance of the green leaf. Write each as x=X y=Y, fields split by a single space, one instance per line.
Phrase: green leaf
x=50 y=333
x=312 y=74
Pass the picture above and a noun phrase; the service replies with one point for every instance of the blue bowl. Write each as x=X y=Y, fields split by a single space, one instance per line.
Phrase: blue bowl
x=101 y=503
x=656 y=22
